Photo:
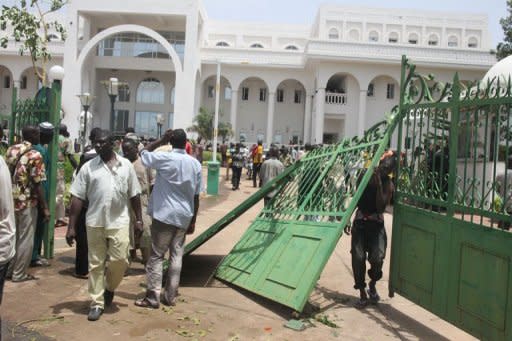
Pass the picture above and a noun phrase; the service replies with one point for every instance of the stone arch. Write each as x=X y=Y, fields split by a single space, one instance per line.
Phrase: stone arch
x=336 y=84
x=334 y=33
x=289 y=114
x=91 y=44
x=433 y=39
x=6 y=93
x=354 y=34
x=413 y=37
x=453 y=41
x=373 y=36
x=393 y=37
x=473 y=42
x=257 y=45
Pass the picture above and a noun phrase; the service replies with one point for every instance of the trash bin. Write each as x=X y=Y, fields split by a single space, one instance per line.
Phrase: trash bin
x=212 y=186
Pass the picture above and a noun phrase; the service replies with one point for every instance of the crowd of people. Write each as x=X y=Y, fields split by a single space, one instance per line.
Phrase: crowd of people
x=129 y=195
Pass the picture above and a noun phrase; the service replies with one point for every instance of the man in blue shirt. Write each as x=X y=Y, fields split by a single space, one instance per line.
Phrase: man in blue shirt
x=173 y=205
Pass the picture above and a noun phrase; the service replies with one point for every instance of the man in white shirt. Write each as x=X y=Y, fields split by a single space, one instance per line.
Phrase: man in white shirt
x=106 y=182
x=7 y=224
x=173 y=205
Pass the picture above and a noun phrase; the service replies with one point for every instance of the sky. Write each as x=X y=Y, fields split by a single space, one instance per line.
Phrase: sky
x=304 y=11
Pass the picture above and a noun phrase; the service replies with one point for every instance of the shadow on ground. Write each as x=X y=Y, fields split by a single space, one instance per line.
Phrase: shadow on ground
x=383 y=314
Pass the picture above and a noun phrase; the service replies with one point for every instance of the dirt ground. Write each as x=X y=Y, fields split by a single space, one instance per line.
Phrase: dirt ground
x=56 y=305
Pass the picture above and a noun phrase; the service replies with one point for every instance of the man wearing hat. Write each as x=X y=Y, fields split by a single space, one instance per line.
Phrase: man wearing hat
x=45 y=137
x=65 y=152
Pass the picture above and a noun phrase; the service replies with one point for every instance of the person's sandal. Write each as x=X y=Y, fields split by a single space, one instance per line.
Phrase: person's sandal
x=145 y=303
x=24 y=278
x=361 y=303
x=374 y=297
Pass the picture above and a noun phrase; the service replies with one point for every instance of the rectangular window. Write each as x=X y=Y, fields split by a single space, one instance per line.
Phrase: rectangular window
x=390 y=93
x=227 y=93
x=23 y=84
x=280 y=95
x=120 y=120
x=124 y=94
x=263 y=95
x=298 y=96
x=211 y=91
x=371 y=90
x=432 y=42
x=7 y=82
x=146 y=123
x=245 y=94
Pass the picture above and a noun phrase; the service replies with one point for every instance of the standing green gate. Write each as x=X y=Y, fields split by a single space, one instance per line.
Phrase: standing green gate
x=46 y=106
x=450 y=253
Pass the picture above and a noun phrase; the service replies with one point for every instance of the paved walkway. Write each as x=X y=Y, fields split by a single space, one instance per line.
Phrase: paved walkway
x=56 y=305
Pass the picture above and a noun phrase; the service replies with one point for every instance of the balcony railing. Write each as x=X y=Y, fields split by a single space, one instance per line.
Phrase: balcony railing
x=335 y=98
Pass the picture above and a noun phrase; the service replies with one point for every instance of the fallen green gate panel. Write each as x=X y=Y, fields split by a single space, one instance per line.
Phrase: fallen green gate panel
x=284 y=251
x=239 y=210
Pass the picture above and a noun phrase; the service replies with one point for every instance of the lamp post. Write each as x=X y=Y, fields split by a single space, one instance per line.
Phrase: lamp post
x=159 y=124
x=85 y=100
x=213 y=166
x=112 y=87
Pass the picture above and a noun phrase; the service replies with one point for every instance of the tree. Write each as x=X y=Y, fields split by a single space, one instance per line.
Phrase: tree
x=504 y=49
x=203 y=126
x=31 y=27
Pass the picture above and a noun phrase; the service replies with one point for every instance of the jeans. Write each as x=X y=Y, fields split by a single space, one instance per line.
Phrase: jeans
x=164 y=237
x=368 y=237
x=255 y=173
x=237 y=173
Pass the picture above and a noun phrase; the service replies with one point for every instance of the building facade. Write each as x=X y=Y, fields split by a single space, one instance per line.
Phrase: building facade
x=279 y=83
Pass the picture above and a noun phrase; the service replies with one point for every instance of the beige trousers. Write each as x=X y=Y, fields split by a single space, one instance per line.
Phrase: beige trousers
x=108 y=260
x=26 y=220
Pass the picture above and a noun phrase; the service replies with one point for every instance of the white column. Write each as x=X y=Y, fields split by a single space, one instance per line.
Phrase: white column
x=270 y=117
x=320 y=115
x=233 y=113
x=362 y=112
x=307 y=118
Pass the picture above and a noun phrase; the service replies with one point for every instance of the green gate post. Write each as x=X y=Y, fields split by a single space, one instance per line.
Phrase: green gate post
x=453 y=144
x=54 y=116
x=13 y=115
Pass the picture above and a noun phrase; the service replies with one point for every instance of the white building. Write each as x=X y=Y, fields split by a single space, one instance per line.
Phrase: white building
x=279 y=83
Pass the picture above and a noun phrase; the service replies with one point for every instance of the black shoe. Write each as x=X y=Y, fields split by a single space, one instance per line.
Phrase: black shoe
x=108 y=296
x=94 y=314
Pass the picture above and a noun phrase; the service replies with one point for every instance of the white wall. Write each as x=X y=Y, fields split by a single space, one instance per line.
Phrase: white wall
x=252 y=114
x=379 y=105
x=289 y=116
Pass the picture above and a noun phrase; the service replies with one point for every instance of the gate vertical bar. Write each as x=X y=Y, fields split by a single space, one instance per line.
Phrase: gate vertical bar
x=453 y=144
x=13 y=114
x=55 y=105
x=400 y=121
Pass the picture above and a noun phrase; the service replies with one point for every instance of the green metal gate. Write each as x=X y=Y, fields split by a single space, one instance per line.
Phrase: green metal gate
x=450 y=251
x=46 y=106
x=284 y=251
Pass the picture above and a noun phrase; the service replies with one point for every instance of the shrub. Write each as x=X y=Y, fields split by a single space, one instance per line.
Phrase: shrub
x=207 y=156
